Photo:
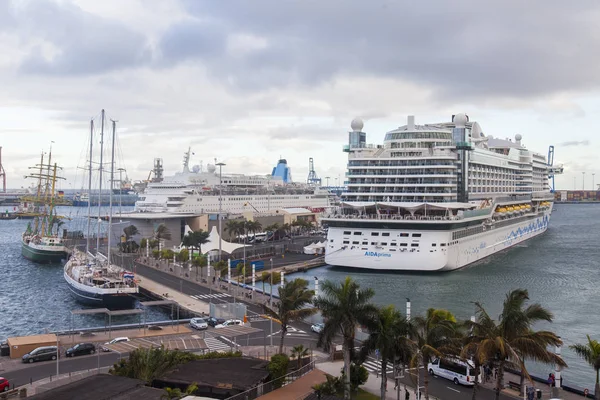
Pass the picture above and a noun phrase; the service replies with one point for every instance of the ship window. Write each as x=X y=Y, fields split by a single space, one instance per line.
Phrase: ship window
x=403 y=244
x=365 y=243
x=433 y=245
x=358 y=233
x=347 y=232
x=346 y=242
x=364 y=248
x=355 y=242
x=443 y=244
x=392 y=244
x=374 y=233
x=404 y=235
x=331 y=240
x=373 y=243
x=416 y=235
x=385 y=234
x=383 y=243
x=414 y=245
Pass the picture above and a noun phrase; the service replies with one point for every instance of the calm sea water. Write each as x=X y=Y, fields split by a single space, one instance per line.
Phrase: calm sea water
x=35 y=298
x=560 y=269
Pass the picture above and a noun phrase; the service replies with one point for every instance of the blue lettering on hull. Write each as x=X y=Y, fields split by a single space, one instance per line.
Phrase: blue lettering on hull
x=376 y=254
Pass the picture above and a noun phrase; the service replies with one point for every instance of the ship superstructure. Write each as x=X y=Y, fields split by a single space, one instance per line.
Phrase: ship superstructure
x=197 y=191
x=436 y=197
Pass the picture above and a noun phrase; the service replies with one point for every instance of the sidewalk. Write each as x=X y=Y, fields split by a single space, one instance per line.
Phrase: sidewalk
x=373 y=384
x=546 y=392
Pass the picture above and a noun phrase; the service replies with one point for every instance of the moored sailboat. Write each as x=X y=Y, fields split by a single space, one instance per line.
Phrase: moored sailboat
x=40 y=243
x=92 y=278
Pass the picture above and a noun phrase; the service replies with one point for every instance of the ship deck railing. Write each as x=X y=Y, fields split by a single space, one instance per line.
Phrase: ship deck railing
x=394 y=217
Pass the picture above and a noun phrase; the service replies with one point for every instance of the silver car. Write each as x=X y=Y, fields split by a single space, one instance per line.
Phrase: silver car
x=198 y=323
x=317 y=328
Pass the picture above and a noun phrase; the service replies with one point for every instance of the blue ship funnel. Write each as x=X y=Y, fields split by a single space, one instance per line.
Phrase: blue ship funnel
x=283 y=171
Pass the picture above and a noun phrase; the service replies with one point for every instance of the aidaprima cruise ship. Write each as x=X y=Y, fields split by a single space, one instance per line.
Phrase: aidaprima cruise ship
x=436 y=197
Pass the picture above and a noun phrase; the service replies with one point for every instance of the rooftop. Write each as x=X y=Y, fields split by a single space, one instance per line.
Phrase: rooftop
x=239 y=373
x=102 y=386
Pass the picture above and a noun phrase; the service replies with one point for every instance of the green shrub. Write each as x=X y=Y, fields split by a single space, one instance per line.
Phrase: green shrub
x=278 y=369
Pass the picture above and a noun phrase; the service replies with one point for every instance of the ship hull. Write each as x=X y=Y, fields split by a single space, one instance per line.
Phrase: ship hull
x=95 y=297
x=42 y=256
x=112 y=301
x=428 y=254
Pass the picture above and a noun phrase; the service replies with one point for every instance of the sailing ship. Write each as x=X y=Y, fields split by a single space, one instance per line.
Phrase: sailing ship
x=40 y=241
x=92 y=278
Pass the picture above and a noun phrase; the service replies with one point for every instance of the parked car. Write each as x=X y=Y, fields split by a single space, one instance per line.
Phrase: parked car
x=41 y=354
x=198 y=323
x=81 y=348
x=4 y=384
x=317 y=328
x=229 y=322
x=115 y=340
x=212 y=321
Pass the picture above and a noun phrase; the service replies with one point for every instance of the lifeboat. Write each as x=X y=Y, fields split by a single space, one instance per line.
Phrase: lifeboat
x=502 y=209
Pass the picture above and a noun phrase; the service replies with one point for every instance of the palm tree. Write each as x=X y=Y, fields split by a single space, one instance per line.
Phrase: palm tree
x=388 y=334
x=161 y=233
x=435 y=335
x=274 y=228
x=235 y=228
x=254 y=226
x=344 y=306
x=130 y=231
x=266 y=277
x=590 y=352
x=299 y=352
x=195 y=240
x=294 y=304
x=511 y=340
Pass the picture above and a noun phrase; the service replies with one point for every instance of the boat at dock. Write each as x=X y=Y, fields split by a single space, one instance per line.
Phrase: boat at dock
x=92 y=278
x=40 y=242
x=437 y=197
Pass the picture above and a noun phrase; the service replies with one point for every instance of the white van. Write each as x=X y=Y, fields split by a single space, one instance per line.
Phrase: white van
x=458 y=371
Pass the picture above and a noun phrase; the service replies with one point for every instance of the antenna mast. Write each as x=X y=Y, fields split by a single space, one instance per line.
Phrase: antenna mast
x=2 y=173
x=100 y=188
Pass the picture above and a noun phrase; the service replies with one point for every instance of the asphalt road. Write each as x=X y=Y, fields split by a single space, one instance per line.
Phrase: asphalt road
x=45 y=369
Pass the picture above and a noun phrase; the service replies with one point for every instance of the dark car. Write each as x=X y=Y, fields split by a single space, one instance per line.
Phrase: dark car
x=81 y=348
x=4 y=384
x=212 y=321
x=41 y=354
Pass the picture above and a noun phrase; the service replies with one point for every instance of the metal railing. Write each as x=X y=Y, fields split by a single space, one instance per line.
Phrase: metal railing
x=275 y=384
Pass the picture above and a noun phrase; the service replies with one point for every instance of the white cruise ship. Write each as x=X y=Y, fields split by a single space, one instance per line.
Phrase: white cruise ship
x=436 y=197
x=197 y=191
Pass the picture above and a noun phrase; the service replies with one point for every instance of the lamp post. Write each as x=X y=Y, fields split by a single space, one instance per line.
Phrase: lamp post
x=327 y=179
x=593 y=181
x=583 y=180
x=220 y=165
x=271 y=299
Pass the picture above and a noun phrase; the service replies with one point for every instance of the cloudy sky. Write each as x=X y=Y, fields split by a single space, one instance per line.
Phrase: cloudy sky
x=249 y=81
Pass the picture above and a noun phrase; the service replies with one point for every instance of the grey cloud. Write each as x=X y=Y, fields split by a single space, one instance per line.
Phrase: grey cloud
x=463 y=49
x=192 y=38
x=84 y=43
x=575 y=143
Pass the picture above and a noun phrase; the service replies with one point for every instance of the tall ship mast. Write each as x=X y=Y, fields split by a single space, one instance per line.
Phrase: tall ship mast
x=91 y=276
x=41 y=242
x=436 y=197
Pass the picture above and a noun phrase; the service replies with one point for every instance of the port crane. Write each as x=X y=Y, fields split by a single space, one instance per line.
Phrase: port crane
x=553 y=170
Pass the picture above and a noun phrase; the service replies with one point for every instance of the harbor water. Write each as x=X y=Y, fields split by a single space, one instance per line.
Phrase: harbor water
x=559 y=268
x=35 y=298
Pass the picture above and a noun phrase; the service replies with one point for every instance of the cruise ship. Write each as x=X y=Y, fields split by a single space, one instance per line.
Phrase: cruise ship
x=197 y=191
x=436 y=197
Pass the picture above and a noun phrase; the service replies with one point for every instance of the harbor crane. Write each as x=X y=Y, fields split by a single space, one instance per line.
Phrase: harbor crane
x=552 y=170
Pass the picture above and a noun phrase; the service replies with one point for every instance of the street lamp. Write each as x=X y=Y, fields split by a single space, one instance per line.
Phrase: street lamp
x=327 y=178
x=583 y=180
x=220 y=165
x=593 y=181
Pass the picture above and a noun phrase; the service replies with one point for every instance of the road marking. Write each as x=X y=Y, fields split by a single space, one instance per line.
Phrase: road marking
x=454 y=390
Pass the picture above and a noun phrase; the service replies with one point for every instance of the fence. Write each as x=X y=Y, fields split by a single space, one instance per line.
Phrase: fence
x=275 y=384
